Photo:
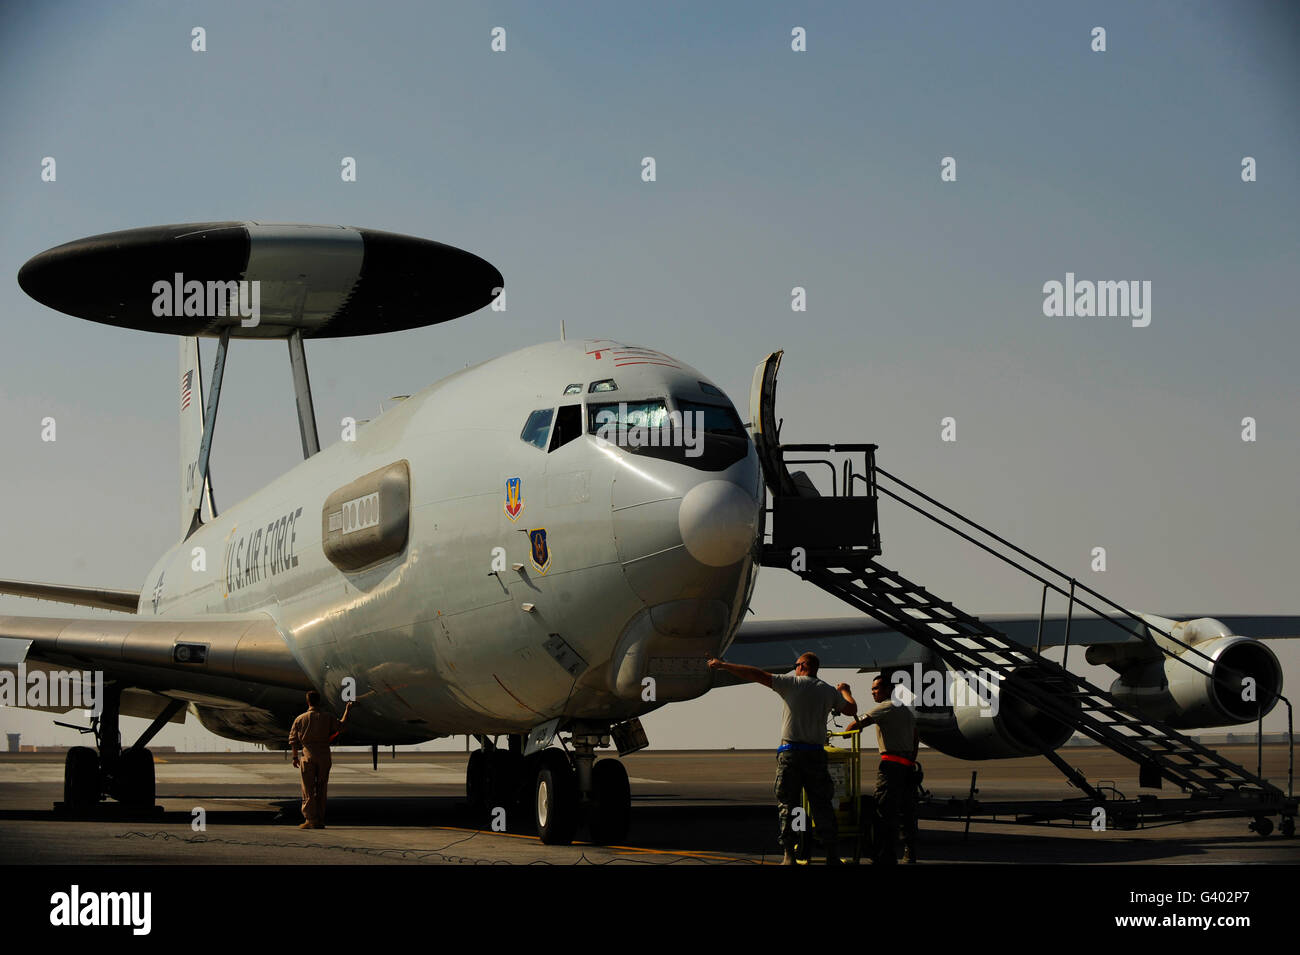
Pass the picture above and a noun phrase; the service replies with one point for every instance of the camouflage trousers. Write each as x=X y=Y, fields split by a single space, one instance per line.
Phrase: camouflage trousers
x=805 y=771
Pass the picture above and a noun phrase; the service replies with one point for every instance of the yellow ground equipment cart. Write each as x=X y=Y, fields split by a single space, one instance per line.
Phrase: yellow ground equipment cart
x=854 y=814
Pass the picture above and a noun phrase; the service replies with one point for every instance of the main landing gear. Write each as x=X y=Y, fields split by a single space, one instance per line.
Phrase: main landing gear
x=89 y=775
x=559 y=790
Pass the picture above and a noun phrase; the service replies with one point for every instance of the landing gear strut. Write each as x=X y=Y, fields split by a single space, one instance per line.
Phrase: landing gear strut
x=126 y=775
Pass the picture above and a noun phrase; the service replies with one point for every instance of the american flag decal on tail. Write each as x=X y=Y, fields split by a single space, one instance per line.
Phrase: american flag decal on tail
x=187 y=380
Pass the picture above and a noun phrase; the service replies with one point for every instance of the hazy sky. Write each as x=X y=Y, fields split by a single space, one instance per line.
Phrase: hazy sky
x=775 y=169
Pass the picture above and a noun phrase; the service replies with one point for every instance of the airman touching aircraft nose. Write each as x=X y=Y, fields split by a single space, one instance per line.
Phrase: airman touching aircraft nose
x=314 y=732
x=802 y=765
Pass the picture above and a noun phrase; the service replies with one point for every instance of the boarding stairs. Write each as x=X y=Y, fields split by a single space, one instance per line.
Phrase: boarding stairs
x=833 y=542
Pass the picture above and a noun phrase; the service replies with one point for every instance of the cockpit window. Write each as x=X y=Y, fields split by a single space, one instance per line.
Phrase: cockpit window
x=537 y=427
x=568 y=425
x=716 y=419
x=709 y=389
x=575 y=389
x=623 y=415
x=606 y=384
x=698 y=435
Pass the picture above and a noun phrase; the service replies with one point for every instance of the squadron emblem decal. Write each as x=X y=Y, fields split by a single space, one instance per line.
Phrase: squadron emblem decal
x=538 y=552
x=514 y=497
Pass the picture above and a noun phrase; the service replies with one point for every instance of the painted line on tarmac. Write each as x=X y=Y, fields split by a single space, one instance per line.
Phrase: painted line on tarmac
x=623 y=850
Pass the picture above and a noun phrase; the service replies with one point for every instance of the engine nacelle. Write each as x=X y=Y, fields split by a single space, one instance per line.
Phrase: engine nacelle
x=1240 y=682
x=973 y=723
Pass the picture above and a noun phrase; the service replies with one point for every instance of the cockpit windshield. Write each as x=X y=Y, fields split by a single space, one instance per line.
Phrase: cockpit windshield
x=697 y=434
x=712 y=419
x=627 y=414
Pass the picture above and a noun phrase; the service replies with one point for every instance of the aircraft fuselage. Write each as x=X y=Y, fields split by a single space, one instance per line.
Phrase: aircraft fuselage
x=534 y=570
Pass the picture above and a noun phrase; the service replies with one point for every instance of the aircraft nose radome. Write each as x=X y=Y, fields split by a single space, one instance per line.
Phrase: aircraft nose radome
x=718 y=521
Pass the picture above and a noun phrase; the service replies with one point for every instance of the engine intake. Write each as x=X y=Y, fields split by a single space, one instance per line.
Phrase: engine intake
x=1240 y=683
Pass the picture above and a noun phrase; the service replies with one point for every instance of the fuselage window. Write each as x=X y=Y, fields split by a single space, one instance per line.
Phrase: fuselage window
x=537 y=427
x=568 y=425
x=573 y=389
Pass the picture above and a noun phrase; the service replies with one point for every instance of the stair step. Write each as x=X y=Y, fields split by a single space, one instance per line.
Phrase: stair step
x=889 y=596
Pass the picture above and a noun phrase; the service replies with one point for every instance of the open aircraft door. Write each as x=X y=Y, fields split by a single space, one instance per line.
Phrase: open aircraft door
x=765 y=428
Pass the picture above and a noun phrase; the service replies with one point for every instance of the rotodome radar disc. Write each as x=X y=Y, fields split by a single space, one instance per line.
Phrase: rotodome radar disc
x=198 y=279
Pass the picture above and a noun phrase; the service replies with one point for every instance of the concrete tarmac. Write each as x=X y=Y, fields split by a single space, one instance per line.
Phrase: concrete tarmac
x=691 y=808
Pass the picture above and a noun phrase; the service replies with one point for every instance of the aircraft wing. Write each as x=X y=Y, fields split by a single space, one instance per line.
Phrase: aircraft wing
x=865 y=644
x=100 y=598
x=839 y=642
x=220 y=661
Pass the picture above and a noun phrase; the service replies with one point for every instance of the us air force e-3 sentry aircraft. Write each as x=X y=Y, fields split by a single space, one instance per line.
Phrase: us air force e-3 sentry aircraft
x=480 y=560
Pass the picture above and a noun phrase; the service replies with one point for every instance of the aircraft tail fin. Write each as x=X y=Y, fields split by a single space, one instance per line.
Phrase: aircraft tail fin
x=190 y=402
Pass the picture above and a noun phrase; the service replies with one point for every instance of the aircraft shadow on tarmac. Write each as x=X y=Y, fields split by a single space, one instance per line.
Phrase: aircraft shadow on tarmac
x=745 y=829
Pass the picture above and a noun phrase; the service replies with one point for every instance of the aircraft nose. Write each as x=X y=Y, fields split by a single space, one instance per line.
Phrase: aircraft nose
x=718 y=521
x=681 y=533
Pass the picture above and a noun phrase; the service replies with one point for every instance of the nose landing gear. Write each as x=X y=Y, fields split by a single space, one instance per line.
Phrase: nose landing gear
x=561 y=790
x=605 y=805
x=599 y=792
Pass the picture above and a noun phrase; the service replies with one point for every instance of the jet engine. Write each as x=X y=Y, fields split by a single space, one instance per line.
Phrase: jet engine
x=978 y=716
x=1238 y=683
